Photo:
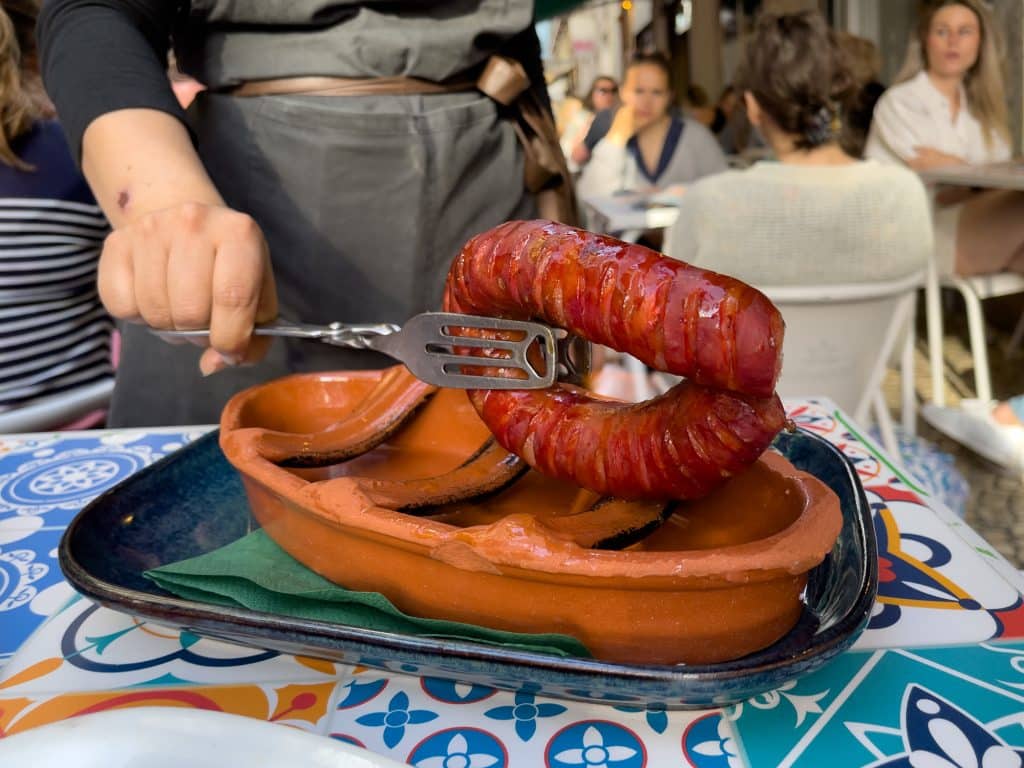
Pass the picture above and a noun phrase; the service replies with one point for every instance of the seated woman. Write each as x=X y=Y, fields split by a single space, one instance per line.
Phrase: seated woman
x=817 y=215
x=950 y=109
x=648 y=146
x=54 y=334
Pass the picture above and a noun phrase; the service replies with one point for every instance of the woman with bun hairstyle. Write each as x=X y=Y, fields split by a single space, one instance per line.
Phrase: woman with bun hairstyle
x=817 y=215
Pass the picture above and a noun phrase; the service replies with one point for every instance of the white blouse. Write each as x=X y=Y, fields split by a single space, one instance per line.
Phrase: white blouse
x=916 y=114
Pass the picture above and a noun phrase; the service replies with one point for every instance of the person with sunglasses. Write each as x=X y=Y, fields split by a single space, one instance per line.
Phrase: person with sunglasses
x=601 y=102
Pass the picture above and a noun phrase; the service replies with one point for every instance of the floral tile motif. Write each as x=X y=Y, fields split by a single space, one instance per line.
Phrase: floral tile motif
x=933 y=586
x=88 y=648
x=936 y=580
x=44 y=481
x=939 y=707
x=54 y=479
x=433 y=722
x=31 y=584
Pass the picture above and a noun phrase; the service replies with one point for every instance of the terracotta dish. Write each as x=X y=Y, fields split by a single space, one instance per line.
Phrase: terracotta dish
x=328 y=460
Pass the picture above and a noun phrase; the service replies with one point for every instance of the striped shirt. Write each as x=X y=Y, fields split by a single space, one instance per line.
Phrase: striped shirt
x=54 y=334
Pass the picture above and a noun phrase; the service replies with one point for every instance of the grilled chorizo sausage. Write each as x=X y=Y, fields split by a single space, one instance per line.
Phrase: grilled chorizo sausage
x=724 y=336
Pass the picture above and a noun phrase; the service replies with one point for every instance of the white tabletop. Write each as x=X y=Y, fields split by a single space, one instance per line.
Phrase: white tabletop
x=633 y=211
x=1009 y=175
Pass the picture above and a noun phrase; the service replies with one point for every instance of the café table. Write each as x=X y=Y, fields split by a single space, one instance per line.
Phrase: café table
x=629 y=214
x=1007 y=175
x=936 y=679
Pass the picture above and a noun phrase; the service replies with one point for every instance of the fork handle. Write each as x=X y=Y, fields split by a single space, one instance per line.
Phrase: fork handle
x=352 y=335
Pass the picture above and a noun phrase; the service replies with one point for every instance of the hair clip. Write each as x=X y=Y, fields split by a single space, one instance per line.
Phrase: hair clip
x=821 y=129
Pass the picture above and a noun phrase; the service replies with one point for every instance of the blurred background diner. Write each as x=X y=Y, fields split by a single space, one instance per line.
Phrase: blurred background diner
x=55 y=338
x=832 y=187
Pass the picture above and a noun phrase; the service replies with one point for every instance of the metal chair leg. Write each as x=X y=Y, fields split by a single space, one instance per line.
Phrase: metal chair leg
x=933 y=314
x=976 y=331
x=908 y=396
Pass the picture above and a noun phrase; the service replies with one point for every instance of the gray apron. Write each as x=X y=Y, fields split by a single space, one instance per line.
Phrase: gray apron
x=364 y=201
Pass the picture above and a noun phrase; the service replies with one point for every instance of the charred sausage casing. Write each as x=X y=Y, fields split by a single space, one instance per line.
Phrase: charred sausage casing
x=723 y=335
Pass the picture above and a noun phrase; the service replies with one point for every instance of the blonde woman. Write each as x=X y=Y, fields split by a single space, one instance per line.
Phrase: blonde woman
x=56 y=336
x=949 y=109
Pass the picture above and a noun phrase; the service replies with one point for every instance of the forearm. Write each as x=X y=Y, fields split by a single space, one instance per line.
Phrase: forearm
x=142 y=160
x=177 y=257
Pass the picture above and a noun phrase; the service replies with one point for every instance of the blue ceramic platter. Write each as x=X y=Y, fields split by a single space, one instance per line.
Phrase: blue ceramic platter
x=192 y=502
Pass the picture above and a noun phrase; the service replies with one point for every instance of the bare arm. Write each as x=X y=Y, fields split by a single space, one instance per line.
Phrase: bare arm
x=925 y=158
x=178 y=257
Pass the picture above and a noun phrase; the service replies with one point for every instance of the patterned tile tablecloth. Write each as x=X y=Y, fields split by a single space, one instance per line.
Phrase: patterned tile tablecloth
x=937 y=678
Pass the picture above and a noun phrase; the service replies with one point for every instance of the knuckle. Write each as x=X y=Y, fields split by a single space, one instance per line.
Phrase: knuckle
x=115 y=241
x=191 y=314
x=117 y=303
x=157 y=315
x=235 y=295
x=242 y=226
x=192 y=216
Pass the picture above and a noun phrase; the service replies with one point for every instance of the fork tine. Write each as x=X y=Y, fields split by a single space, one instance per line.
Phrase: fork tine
x=482 y=343
x=475 y=361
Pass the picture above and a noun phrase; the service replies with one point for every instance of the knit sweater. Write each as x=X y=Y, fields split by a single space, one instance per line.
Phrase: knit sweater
x=777 y=224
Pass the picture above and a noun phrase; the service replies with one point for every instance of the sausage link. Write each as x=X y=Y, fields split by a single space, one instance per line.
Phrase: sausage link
x=723 y=335
x=712 y=329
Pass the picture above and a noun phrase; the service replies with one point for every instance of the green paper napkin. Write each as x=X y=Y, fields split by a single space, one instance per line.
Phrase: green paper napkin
x=253 y=572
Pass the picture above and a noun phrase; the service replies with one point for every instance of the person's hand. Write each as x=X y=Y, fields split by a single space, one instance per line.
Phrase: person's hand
x=674 y=190
x=621 y=129
x=580 y=154
x=926 y=158
x=193 y=266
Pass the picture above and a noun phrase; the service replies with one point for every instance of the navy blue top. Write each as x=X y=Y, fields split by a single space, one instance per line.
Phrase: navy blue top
x=55 y=177
x=675 y=132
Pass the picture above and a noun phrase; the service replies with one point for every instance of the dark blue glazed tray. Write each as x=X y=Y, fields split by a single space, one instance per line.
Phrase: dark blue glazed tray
x=192 y=502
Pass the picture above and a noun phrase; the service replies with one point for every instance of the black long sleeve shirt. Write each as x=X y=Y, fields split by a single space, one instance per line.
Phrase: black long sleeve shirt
x=103 y=55
x=98 y=56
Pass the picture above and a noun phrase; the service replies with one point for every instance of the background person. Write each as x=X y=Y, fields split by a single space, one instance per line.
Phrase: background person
x=993 y=430
x=817 y=215
x=55 y=335
x=949 y=108
x=648 y=147
x=603 y=95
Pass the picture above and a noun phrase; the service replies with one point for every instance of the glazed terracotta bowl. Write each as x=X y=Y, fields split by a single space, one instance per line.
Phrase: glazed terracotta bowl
x=720 y=578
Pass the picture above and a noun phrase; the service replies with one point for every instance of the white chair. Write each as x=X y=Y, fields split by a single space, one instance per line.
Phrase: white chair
x=839 y=341
x=974 y=290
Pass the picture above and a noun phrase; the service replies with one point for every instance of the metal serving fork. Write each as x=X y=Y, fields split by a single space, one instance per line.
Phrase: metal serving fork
x=535 y=358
